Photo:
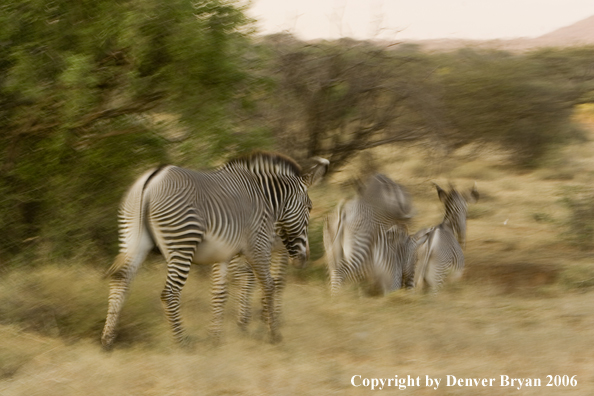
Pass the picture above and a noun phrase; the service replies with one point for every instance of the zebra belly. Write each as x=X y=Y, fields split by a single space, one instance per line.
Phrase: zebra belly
x=214 y=250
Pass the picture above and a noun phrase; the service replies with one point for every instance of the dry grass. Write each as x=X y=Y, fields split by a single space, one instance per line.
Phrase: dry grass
x=523 y=308
x=474 y=330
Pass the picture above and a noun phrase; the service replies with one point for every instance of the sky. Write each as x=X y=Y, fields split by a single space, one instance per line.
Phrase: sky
x=417 y=19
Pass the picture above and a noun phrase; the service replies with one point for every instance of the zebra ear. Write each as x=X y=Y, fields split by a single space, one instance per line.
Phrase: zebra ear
x=316 y=172
x=441 y=193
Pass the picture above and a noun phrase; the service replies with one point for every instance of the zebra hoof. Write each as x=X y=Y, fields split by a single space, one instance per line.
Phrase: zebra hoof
x=107 y=348
x=187 y=344
x=275 y=338
x=107 y=343
x=243 y=328
x=215 y=340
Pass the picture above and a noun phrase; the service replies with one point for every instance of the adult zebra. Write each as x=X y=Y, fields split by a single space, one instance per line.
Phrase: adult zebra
x=366 y=238
x=210 y=217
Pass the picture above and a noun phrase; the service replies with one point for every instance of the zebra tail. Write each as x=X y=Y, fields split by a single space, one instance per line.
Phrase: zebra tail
x=133 y=227
x=116 y=267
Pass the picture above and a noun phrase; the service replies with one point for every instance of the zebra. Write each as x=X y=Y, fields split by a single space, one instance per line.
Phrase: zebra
x=366 y=238
x=440 y=248
x=244 y=278
x=393 y=262
x=210 y=217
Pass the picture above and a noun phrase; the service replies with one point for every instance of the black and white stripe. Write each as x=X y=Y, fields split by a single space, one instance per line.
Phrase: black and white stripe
x=208 y=217
x=366 y=239
x=439 y=248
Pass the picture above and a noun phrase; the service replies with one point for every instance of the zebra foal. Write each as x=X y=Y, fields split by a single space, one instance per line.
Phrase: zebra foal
x=440 y=248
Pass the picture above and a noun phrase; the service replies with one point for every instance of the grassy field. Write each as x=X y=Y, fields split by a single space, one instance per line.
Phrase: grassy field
x=523 y=308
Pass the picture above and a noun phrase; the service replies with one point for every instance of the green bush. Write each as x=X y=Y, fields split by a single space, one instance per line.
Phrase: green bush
x=80 y=86
x=499 y=98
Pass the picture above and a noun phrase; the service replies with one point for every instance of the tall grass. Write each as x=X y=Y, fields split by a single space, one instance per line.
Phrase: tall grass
x=523 y=308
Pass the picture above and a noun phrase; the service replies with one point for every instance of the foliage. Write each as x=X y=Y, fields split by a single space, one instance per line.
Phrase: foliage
x=333 y=99
x=571 y=68
x=79 y=86
x=501 y=98
x=93 y=92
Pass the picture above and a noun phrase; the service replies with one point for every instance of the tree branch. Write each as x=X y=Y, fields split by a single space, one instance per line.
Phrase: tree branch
x=147 y=103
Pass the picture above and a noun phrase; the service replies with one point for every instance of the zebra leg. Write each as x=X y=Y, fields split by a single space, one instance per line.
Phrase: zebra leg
x=178 y=268
x=278 y=268
x=125 y=268
x=434 y=275
x=246 y=281
x=334 y=235
x=336 y=280
x=408 y=276
x=118 y=289
x=352 y=267
x=261 y=270
x=421 y=266
x=344 y=271
x=408 y=268
x=397 y=279
x=219 y=298
x=384 y=268
x=279 y=262
x=406 y=262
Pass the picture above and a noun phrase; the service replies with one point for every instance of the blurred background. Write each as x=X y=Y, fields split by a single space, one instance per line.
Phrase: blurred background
x=92 y=93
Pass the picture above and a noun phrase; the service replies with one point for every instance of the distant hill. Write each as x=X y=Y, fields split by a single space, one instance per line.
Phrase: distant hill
x=579 y=33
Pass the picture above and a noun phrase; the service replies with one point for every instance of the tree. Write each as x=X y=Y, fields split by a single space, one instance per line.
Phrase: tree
x=502 y=98
x=572 y=68
x=81 y=85
x=334 y=99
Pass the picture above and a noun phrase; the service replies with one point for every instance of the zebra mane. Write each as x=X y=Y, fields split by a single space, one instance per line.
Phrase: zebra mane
x=266 y=162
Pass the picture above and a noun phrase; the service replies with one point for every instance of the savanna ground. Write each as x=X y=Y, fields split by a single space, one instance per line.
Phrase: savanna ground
x=523 y=308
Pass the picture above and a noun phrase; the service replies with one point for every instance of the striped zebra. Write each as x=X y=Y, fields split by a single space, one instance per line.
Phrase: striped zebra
x=439 y=248
x=366 y=238
x=210 y=217
x=245 y=281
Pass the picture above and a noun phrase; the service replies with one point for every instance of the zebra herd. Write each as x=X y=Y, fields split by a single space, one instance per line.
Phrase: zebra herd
x=366 y=239
x=250 y=218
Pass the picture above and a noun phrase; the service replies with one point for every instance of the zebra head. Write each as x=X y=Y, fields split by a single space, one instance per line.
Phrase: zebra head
x=285 y=186
x=456 y=208
x=294 y=218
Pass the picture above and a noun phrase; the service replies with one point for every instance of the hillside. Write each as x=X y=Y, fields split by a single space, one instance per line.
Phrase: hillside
x=579 y=33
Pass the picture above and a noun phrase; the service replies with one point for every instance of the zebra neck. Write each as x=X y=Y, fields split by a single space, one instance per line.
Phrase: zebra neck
x=452 y=223
x=456 y=227
x=369 y=214
x=274 y=189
